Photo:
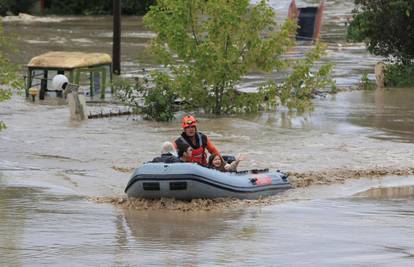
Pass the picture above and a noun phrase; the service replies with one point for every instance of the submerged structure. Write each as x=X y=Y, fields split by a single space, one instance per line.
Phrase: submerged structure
x=309 y=20
x=92 y=71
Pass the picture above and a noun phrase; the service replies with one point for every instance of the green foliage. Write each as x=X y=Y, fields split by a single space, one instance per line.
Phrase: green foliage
x=7 y=6
x=218 y=42
x=97 y=7
x=399 y=75
x=159 y=101
x=386 y=27
x=155 y=97
x=365 y=83
x=304 y=81
x=128 y=92
x=8 y=76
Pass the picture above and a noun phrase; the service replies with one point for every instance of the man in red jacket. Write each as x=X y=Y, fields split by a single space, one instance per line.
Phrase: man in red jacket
x=197 y=140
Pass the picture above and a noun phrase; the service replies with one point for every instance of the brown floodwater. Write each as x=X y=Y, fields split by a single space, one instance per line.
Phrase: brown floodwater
x=351 y=161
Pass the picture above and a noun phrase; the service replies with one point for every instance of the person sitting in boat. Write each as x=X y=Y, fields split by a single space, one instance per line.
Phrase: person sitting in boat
x=217 y=162
x=198 y=141
x=184 y=153
x=168 y=154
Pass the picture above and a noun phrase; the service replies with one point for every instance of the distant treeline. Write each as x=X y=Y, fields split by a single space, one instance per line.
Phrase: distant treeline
x=74 y=7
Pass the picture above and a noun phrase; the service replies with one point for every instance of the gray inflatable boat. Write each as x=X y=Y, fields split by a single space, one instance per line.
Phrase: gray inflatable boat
x=186 y=181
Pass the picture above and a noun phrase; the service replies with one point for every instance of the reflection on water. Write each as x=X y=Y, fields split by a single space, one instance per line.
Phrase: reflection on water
x=39 y=227
x=155 y=227
x=389 y=110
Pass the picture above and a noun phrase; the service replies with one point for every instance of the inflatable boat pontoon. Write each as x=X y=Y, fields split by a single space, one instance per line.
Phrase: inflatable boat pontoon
x=186 y=181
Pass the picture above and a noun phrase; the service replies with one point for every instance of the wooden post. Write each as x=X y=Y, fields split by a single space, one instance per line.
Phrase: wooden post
x=71 y=76
x=103 y=83
x=77 y=105
x=29 y=81
x=379 y=74
x=293 y=11
x=110 y=79
x=43 y=85
x=77 y=76
x=42 y=7
x=91 y=85
x=116 y=42
x=319 y=20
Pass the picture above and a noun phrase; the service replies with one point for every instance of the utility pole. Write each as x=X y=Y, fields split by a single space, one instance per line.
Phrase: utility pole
x=116 y=41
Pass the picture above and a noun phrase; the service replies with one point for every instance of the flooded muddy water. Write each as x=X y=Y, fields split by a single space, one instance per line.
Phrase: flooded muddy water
x=351 y=162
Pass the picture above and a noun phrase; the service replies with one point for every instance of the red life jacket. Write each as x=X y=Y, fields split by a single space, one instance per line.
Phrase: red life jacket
x=199 y=154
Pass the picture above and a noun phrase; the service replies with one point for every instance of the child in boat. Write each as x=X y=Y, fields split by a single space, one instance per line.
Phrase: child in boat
x=217 y=162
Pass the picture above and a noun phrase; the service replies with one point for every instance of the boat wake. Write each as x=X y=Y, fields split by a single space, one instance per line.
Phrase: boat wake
x=305 y=179
x=170 y=204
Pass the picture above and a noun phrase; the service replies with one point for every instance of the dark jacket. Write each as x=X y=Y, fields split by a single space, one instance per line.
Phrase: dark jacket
x=187 y=140
x=166 y=158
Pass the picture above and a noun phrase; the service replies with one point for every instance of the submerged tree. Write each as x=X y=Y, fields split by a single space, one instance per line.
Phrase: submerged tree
x=8 y=76
x=218 y=42
x=386 y=27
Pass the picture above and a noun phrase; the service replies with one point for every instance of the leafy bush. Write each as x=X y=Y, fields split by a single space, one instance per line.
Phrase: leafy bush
x=302 y=84
x=7 y=6
x=365 y=83
x=386 y=27
x=159 y=100
x=399 y=75
x=129 y=93
x=155 y=97
x=8 y=71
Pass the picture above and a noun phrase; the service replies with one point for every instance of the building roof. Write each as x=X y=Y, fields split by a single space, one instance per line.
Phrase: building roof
x=69 y=60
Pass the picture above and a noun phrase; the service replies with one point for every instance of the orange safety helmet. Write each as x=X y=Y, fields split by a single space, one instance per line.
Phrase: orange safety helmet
x=188 y=121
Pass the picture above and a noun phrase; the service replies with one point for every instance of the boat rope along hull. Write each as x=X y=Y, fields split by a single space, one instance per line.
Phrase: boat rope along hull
x=186 y=181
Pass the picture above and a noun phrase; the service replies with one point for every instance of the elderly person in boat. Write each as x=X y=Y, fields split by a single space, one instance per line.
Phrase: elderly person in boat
x=168 y=154
x=217 y=162
x=198 y=141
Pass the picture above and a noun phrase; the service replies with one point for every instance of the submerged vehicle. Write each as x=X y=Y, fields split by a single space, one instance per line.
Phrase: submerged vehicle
x=92 y=71
x=186 y=181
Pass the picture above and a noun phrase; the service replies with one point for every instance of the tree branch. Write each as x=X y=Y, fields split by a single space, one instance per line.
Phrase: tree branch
x=192 y=26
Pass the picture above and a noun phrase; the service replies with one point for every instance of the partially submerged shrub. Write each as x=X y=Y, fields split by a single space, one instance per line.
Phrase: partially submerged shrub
x=385 y=26
x=154 y=96
x=365 y=83
x=160 y=99
x=9 y=79
x=399 y=75
x=157 y=94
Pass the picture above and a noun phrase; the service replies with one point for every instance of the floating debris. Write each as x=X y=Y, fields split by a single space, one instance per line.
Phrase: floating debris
x=108 y=114
x=123 y=169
